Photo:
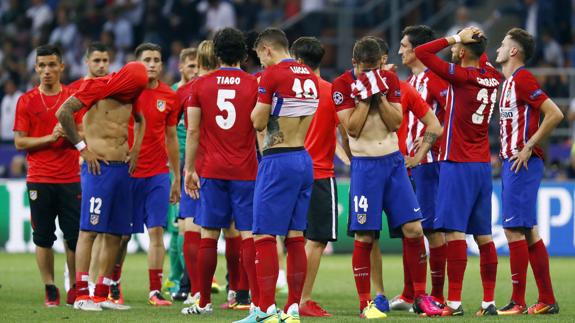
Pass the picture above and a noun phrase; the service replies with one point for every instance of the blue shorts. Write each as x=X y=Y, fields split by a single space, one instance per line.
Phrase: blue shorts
x=189 y=208
x=519 y=193
x=426 y=178
x=224 y=201
x=282 y=193
x=107 y=200
x=381 y=184
x=151 y=201
x=464 y=202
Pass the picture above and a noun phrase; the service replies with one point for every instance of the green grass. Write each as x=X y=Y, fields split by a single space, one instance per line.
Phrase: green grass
x=22 y=294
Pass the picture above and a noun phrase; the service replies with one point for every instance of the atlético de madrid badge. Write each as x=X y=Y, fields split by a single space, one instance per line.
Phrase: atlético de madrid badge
x=94 y=218
x=161 y=105
x=361 y=218
x=33 y=195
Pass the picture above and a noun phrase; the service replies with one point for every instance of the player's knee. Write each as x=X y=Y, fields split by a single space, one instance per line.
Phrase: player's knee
x=71 y=243
x=513 y=235
x=43 y=240
x=364 y=236
x=412 y=229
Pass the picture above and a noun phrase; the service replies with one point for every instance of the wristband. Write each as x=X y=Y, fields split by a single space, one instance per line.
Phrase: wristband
x=81 y=145
x=457 y=38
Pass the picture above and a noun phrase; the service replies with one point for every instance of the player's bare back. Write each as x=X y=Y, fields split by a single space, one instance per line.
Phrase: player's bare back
x=286 y=131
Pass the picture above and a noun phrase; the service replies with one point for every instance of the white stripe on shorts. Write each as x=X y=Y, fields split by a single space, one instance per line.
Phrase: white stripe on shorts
x=333 y=209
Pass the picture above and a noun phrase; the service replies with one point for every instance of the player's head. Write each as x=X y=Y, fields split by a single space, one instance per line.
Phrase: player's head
x=188 y=66
x=97 y=59
x=271 y=45
x=411 y=37
x=151 y=56
x=230 y=46
x=366 y=53
x=518 y=44
x=470 y=51
x=207 y=60
x=49 y=66
x=383 y=47
x=308 y=51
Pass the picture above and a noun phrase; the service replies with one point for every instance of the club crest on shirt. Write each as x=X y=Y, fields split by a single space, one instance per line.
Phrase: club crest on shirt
x=94 y=218
x=33 y=195
x=161 y=105
x=361 y=218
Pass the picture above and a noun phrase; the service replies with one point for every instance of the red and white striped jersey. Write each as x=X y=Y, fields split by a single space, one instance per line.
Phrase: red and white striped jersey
x=433 y=90
x=519 y=112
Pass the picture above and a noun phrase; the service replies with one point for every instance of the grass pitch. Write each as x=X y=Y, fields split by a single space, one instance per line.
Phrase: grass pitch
x=22 y=294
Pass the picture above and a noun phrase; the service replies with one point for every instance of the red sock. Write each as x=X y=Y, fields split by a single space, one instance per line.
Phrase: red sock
x=82 y=284
x=456 y=263
x=417 y=262
x=437 y=259
x=519 y=261
x=360 y=261
x=488 y=263
x=191 y=247
x=243 y=284
x=296 y=269
x=155 y=279
x=233 y=246
x=407 y=293
x=207 y=262
x=267 y=270
x=102 y=287
x=117 y=272
x=539 y=259
x=249 y=264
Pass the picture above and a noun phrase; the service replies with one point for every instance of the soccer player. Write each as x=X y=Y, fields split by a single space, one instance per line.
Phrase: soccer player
x=287 y=101
x=219 y=111
x=424 y=167
x=53 y=182
x=97 y=60
x=320 y=142
x=465 y=185
x=106 y=194
x=371 y=124
x=520 y=106
x=151 y=180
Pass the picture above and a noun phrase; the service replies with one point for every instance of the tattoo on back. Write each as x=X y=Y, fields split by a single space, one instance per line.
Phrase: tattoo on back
x=429 y=138
x=274 y=135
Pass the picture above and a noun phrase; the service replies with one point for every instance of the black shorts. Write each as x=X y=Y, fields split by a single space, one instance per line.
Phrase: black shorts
x=48 y=201
x=322 y=213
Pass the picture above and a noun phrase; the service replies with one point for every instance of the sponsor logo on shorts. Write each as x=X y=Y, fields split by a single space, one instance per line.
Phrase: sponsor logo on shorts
x=361 y=218
x=94 y=218
x=161 y=105
x=33 y=195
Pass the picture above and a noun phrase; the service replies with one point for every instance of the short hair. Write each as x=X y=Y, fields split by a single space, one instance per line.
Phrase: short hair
x=206 y=57
x=478 y=48
x=251 y=37
x=147 y=46
x=49 y=49
x=230 y=46
x=274 y=37
x=383 y=46
x=418 y=35
x=525 y=40
x=96 y=47
x=367 y=51
x=186 y=53
x=308 y=49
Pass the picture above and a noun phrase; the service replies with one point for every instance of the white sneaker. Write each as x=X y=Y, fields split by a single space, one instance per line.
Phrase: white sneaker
x=87 y=305
x=109 y=305
x=196 y=309
x=399 y=304
x=192 y=299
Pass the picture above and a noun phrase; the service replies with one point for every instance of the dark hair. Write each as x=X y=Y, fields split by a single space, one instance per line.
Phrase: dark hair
x=49 y=49
x=188 y=52
x=251 y=37
x=478 y=48
x=274 y=37
x=230 y=46
x=418 y=35
x=367 y=51
x=308 y=49
x=525 y=40
x=147 y=46
x=383 y=46
x=96 y=47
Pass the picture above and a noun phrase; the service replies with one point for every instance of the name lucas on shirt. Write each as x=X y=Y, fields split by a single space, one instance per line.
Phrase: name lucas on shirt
x=228 y=80
x=299 y=70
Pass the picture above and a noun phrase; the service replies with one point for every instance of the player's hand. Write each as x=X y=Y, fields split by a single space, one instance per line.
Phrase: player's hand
x=192 y=184
x=132 y=158
x=175 y=191
x=57 y=132
x=471 y=35
x=521 y=159
x=93 y=161
x=390 y=67
x=417 y=144
x=411 y=162
x=364 y=88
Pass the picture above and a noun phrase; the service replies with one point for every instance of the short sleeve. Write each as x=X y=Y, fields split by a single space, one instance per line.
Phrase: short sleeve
x=193 y=100
x=529 y=90
x=341 y=95
x=22 y=119
x=266 y=88
x=394 y=93
x=174 y=112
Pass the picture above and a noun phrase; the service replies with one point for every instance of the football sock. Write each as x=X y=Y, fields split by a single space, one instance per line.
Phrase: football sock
x=103 y=287
x=249 y=264
x=456 y=263
x=518 y=261
x=437 y=259
x=243 y=283
x=233 y=246
x=417 y=262
x=539 y=259
x=407 y=293
x=296 y=269
x=82 y=288
x=191 y=247
x=207 y=262
x=267 y=269
x=117 y=273
x=361 y=266
x=155 y=279
x=488 y=263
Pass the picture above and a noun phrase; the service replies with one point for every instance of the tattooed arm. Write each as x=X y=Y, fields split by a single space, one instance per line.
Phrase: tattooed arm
x=260 y=116
x=66 y=117
x=432 y=132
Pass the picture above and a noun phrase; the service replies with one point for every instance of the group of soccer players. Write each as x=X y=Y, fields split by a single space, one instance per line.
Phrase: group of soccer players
x=419 y=152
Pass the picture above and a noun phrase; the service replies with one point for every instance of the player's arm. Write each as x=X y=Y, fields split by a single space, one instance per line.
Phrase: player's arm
x=174 y=158
x=139 y=132
x=260 y=115
x=192 y=181
x=354 y=119
x=390 y=113
x=23 y=142
x=342 y=151
x=433 y=130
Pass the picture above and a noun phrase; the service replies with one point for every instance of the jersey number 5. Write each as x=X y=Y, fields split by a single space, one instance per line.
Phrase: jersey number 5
x=225 y=105
x=483 y=97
